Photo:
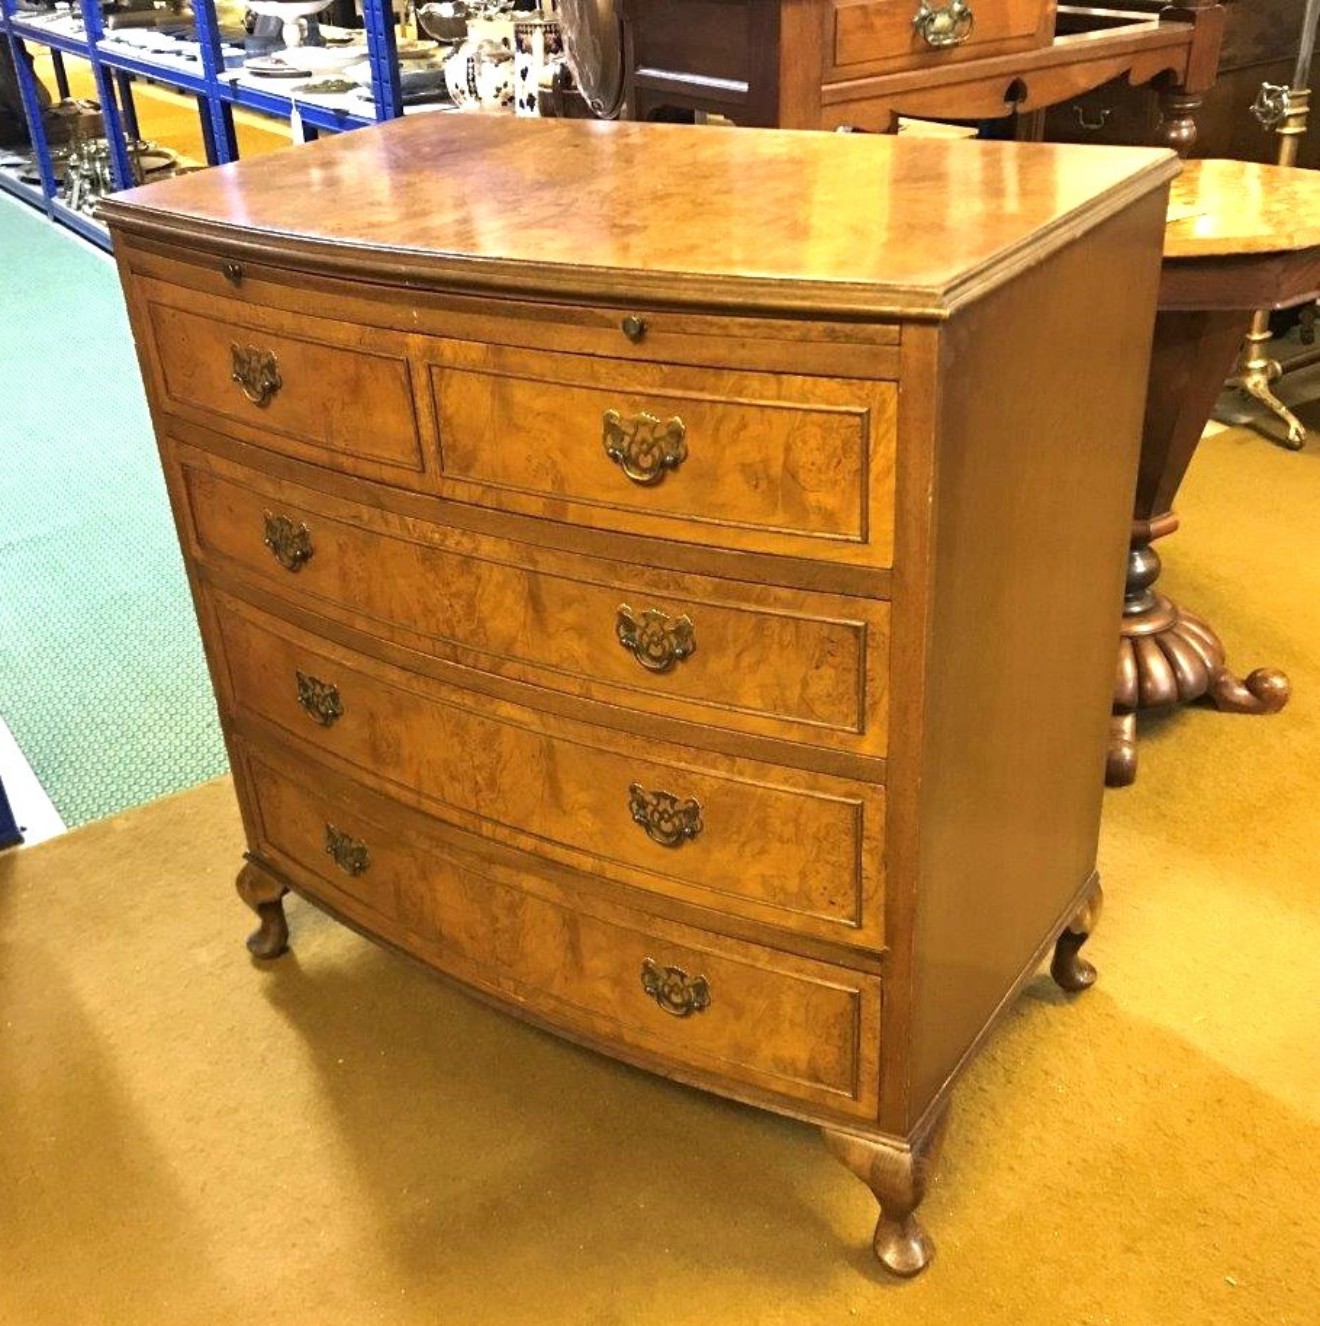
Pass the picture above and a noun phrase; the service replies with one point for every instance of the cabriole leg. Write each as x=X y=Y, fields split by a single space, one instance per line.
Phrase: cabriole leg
x=264 y=894
x=1070 y=970
x=898 y=1174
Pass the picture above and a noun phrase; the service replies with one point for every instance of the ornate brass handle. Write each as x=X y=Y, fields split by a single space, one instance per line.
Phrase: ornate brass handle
x=667 y=820
x=674 y=990
x=291 y=544
x=257 y=372
x=949 y=25
x=319 y=698
x=657 y=640
x=644 y=447
x=350 y=855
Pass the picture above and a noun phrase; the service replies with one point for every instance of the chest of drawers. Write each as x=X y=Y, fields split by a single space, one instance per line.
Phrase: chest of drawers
x=665 y=579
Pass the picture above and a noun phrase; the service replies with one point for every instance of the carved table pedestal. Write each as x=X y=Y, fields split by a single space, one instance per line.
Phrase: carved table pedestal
x=1241 y=236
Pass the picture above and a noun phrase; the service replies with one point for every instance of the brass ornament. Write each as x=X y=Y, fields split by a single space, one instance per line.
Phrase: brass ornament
x=655 y=639
x=319 y=698
x=674 y=990
x=257 y=372
x=291 y=544
x=645 y=447
x=350 y=855
x=667 y=820
x=945 y=26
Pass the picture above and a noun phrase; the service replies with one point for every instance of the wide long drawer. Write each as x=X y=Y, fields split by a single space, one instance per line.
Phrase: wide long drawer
x=803 y=1029
x=805 y=667
x=799 y=850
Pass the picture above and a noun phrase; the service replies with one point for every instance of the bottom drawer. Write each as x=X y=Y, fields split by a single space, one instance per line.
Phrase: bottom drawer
x=666 y=995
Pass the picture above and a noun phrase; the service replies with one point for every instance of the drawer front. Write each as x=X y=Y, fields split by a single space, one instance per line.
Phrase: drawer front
x=795 y=849
x=872 y=36
x=804 y=1029
x=307 y=387
x=768 y=462
x=783 y=663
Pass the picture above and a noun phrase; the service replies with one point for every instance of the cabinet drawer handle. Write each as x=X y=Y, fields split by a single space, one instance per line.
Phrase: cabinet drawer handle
x=319 y=698
x=644 y=447
x=350 y=855
x=674 y=990
x=633 y=327
x=291 y=544
x=667 y=820
x=234 y=273
x=948 y=25
x=257 y=372
x=1092 y=125
x=656 y=640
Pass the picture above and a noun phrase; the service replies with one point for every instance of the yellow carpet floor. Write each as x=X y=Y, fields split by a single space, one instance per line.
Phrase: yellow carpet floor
x=339 y=1139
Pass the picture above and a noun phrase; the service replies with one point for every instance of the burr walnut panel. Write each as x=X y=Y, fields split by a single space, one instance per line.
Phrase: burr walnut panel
x=803 y=1029
x=309 y=387
x=748 y=457
x=772 y=844
x=806 y=667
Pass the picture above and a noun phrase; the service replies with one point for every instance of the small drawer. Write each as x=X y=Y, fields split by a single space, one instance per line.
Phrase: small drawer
x=792 y=848
x=783 y=663
x=308 y=387
x=759 y=461
x=747 y=1015
x=879 y=36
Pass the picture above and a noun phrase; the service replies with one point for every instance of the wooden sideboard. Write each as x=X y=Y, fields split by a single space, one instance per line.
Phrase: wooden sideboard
x=861 y=64
x=665 y=579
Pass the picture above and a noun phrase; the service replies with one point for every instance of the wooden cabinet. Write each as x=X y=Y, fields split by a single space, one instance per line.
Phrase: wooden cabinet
x=686 y=622
x=863 y=64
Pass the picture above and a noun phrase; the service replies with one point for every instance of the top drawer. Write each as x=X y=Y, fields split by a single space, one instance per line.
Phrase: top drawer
x=312 y=388
x=768 y=462
x=882 y=36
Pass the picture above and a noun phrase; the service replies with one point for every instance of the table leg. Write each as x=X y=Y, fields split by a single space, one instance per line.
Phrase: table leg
x=1170 y=656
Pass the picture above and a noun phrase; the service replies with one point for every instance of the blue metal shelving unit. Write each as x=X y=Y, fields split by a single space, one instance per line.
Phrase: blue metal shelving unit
x=217 y=91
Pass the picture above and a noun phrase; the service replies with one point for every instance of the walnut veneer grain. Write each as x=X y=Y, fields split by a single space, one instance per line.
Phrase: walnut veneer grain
x=698 y=647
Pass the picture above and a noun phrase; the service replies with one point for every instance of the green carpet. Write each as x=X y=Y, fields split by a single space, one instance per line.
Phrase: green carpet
x=102 y=679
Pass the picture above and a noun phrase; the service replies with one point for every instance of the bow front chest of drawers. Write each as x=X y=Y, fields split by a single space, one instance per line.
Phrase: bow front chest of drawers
x=665 y=579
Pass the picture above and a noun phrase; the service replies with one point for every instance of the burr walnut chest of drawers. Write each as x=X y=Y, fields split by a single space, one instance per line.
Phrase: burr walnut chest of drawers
x=665 y=579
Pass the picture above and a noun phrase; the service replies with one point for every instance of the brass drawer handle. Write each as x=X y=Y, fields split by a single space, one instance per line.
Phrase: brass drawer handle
x=674 y=990
x=633 y=327
x=949 y=25
x=291 y=544
x=644 y=447
x=319 y=698
x=667 y=820
x=657 y=641
x=257 y=372
x=350 y=855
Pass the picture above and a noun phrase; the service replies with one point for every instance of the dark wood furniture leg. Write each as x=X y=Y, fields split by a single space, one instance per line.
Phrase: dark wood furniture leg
x=265 y=895
x=1070 y=970
x=898 y=1174
x=1167 y=655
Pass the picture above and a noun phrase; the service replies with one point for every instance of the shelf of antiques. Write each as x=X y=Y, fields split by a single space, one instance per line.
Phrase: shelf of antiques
x=288 y=60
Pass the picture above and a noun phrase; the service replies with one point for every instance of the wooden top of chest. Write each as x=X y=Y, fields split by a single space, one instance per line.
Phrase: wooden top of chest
x=671 y=215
